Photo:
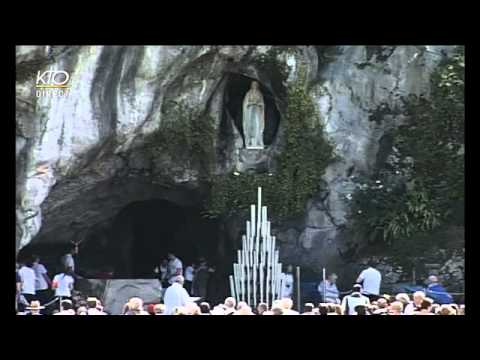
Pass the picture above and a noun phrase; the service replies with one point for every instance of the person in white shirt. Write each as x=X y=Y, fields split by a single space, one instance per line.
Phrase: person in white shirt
x=63 y=284
x=175 y=267
x=354 y=299
x=27 y=275
x=371 y=280
x=42 y=281
x=332 y=293
x=287 y=288
x=189 y=271
x=175 y=295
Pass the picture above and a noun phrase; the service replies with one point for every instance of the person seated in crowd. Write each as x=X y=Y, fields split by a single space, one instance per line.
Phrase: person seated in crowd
x=396 y=308
x=404 y=299
x=287 y=305
x=159 y=309
x=241 y=304
x=150 y=309
x=425 y=307
x=261 y=308
x=135 y=307
x=446 y=310
x=230 y=303
x=337 y=310
x=332 y=293
x=67 y=308
x=323 y=309
x=35 y=308
x=93 y=305
x=205 y=308
x=82 y=310
x=382 y=305
x=277 y=310
x=192 y=309
x=308 y=309
x=361 y=309
x=418 y=297
x=218 y=310
x=437 y=292
x=244 y=310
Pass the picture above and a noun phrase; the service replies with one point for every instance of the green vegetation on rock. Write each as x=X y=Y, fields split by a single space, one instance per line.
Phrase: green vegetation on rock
x=301 y=165
x=190 y=135
x=421 y=185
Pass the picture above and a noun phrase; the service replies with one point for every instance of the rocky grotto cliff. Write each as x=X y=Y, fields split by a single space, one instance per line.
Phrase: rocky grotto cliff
x=114 y=139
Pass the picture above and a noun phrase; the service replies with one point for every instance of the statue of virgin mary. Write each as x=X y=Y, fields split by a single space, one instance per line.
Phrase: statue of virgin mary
x=253 y=118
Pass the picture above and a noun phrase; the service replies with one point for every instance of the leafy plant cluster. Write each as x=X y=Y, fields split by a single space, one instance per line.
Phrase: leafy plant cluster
x=421 y=185
x=190 y=135
x=301 y=165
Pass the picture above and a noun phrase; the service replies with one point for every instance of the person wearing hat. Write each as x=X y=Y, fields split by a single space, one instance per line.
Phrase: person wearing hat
x=350 y=302
x=331 y=290
x=35 y=308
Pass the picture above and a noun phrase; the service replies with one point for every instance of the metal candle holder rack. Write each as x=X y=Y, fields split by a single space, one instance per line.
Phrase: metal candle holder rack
x=257 y=274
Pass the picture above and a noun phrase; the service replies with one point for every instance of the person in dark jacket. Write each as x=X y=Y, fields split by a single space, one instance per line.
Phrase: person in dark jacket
x=200 y=280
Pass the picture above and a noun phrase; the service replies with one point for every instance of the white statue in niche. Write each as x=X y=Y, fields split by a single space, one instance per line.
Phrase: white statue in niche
x=253 y=118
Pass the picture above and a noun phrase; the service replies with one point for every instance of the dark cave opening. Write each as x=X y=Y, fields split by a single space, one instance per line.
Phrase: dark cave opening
x=144 y=232
x=236 y=89
x=134 y=241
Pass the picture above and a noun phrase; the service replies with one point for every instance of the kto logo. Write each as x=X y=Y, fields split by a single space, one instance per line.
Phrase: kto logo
x=52 y=83
x=53 y=79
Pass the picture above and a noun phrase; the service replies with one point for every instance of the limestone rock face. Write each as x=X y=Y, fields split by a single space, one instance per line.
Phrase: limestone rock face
x=83 y=157
x=118 y=292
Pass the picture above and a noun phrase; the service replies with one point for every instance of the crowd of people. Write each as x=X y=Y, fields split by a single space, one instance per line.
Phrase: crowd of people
x=401 y=304
x=185 y=293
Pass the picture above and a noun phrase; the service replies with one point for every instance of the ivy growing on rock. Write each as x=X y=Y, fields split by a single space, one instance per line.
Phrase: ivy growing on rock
x=421 y=186
x=297 y=178
x=190 y=135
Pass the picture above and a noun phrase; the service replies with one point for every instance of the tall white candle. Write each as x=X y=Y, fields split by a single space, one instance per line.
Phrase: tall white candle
x=232 y=288
x=281 y=287
x=260 y=273
x=254 y=284
x=235 y=280
x=279 y=277
x=252 y=220
x=248 y=283
x=267 y=285
x=259 y=212
x=248 y=230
